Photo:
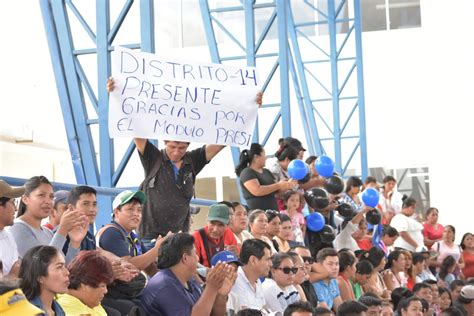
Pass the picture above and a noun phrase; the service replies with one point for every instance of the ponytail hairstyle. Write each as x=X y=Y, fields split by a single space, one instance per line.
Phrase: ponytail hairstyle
x=247 y=156
x=286 y=151
x=31 y=185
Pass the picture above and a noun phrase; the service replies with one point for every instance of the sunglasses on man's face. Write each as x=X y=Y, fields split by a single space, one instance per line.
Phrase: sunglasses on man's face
x=287 y=270
x=309 y=260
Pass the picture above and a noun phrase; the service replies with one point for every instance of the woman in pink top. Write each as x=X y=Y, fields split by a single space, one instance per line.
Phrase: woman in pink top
x=446 y=247
x=432 y=230
x=394 y=276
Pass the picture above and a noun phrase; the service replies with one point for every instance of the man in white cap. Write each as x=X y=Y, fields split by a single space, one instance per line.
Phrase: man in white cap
x=465 y=301
x=8 y=248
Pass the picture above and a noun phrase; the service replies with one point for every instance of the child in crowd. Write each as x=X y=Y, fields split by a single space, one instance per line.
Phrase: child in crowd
x=292 y=203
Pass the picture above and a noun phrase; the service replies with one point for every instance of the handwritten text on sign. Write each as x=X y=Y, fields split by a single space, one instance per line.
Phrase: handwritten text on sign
x=160 y=98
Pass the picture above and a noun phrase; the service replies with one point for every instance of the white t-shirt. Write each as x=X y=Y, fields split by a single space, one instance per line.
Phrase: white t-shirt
x=8 y=251
x=407 y=224
x=345 y=239
x=243 y=295
x=278 y=299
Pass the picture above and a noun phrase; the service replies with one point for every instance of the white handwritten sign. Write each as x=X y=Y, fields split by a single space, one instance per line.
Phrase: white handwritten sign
x=161 y=98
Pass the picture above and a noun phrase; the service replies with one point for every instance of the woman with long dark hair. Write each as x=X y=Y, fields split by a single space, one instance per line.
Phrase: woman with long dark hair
x=467 y=245
x=43 y=275
x=258 y=185
x=394 y=275
x=376 y=284
x=35 y=205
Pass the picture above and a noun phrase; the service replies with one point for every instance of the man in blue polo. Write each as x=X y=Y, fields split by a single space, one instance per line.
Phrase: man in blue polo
x=327 y=289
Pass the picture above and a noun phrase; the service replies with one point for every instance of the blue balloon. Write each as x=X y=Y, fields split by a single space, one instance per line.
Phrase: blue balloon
x=297 y=169
x=370 y=197
x=315 y=221
x=324 y=166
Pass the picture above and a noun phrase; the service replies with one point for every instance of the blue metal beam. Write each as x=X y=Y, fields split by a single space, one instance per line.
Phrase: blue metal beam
x=79 y=111
x=284 y=67
x=64 y=99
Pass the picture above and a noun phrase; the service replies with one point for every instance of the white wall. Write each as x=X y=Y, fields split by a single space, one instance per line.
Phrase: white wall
x=418 y=87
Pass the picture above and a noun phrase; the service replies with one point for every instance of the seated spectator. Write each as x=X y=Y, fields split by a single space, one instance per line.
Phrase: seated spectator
x=239 y=222
x=455 y=288
x=13 y=302
x=418 y=266
x=284 y=235
x=445 y=300
x=247 y=291
x=347 y=269
x=35 y=205
x=8 y=249
x=43 y=275
x=451 y=311
x=274 y=229
x=408 y=269
x=411 y=306
x=423 y=291
x=399 y=294
x=278 y=290
x=249 y=312
x=351 y=193
x=352 y=308
x=300 y=275
x=299 y=309
x=410 y=230
x=375 y=284
x=215 y=236
x=83 y=199
x=427 y=274
x=467 y=245
x=291 y=201
x=350 y=231
x=307 y=286
x=174 y=291
x=119 y=238
x=435 y=295
x=387 y=309
x=465 y=301
x=59 y=207
x=327 y=290
x=447 y=247
x=89 y=275
x=374 y=304
x=389 y=235
x=228 y=257
x=362 y=274
x=322 y=311
x=258 y=223
x=394 y=275
x=446 y=271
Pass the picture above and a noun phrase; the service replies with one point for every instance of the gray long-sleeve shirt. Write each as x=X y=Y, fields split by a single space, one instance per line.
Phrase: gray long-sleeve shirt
x=27 y=237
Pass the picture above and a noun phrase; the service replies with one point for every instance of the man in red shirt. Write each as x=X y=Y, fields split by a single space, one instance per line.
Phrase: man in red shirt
x=216 y=236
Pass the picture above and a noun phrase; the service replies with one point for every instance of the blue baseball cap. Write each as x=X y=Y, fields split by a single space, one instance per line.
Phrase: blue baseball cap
x=225 y=256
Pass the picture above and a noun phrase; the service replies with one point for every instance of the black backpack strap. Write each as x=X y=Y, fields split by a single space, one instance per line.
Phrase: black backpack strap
x=154 y=171
x=202 y=232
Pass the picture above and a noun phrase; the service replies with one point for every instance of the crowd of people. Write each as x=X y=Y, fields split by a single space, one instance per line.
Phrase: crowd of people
x=261 y=257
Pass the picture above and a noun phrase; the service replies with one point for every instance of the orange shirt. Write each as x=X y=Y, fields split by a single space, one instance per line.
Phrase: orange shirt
x=468 y=270
x=215 y=245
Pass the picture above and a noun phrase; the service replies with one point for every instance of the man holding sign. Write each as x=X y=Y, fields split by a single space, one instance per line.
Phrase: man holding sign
x=179 y=102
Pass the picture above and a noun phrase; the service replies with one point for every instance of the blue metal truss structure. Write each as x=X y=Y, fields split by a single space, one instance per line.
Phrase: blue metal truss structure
x=320 y=94
x=323 y=55
x=82 y=113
